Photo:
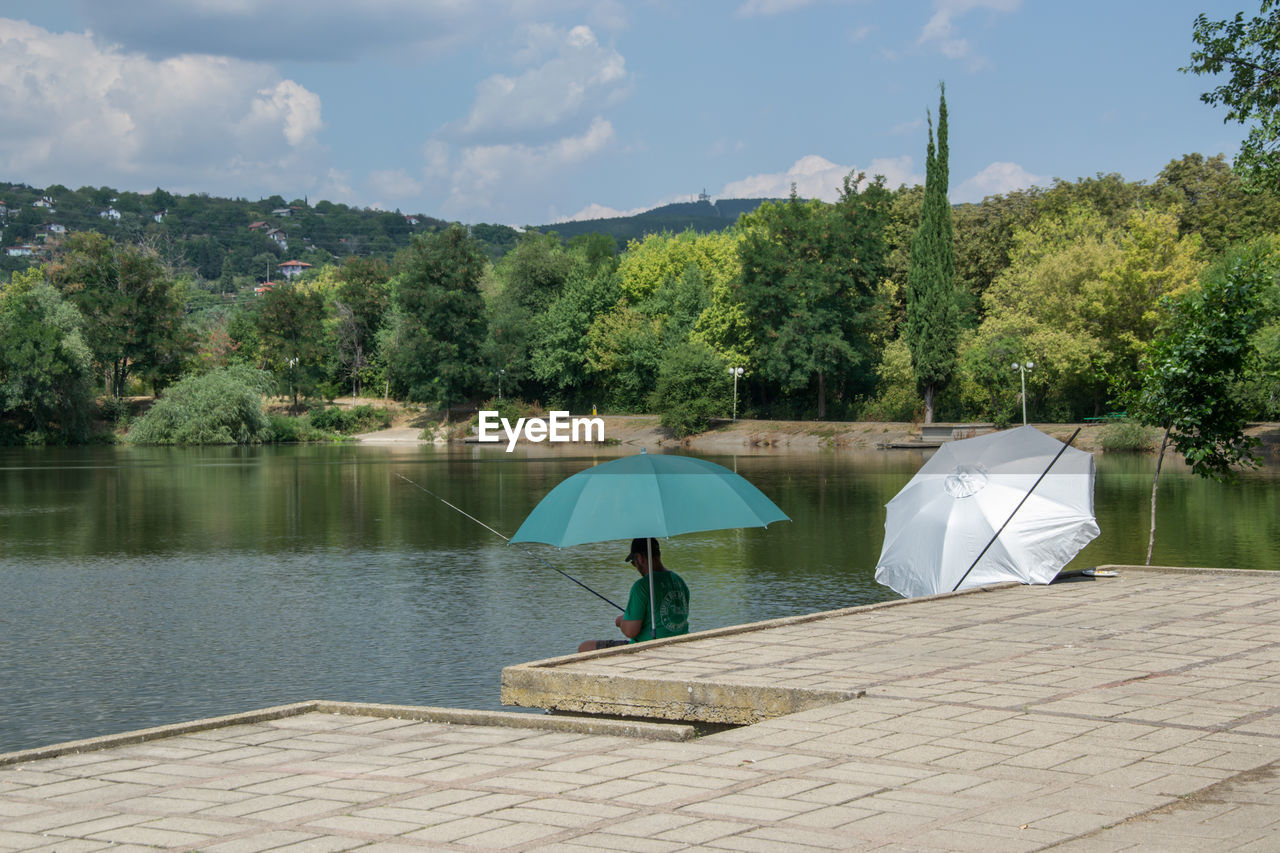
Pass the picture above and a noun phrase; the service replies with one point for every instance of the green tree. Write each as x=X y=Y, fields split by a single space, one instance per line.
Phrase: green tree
x=1248 y=51
x=932 y=324
x=45 y=365
x=559 y=355
x=291 y=334
x=360 y=305
x=439 y=319
x=691 y=388
x=1190 y=384
x=133 y=315
x=223 y=406
x=808 y=289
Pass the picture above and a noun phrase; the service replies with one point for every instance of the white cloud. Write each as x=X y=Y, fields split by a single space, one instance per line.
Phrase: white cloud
x=322 y=30
x=599 y=211
x=754 y=8
x=995 y=179
x=395 y=184
x=491 y=180
x=817 y=177
x=78 y=113
x=939 y=30
x=580 y=78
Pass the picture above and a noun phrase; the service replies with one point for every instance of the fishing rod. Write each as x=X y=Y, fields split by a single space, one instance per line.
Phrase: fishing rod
x=1016 y=508
x=506 y=539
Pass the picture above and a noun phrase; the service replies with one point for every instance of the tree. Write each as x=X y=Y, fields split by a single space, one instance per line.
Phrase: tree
x=436 y=345
x=808 y=288
x=360 y=304
x=223 y=406
x=45 y=365
x=559 y=354
x=1249 y=52
x=133 y=316
x=1192 y=373
x=932 y=324
x=291 y=334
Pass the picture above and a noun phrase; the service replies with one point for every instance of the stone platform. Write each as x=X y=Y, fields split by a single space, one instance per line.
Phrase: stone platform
x=1131 y=713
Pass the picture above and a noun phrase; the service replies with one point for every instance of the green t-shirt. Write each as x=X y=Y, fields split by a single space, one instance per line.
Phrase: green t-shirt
x=672 y=598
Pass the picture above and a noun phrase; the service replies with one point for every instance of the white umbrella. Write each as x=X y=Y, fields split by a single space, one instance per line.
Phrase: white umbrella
x=941 y=529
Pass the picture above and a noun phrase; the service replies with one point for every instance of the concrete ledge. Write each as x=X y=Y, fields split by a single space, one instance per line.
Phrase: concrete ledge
x=660 y=699
x=538 y=684
x=424 y=713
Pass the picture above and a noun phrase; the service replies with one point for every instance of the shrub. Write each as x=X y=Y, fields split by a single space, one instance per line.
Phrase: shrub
x=1126 y=436
x=284 y=429
x=692 y=389
x=364 y=418
x=223 y=406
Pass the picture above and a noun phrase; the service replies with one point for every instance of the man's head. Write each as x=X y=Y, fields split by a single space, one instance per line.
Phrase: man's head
x=639 y=554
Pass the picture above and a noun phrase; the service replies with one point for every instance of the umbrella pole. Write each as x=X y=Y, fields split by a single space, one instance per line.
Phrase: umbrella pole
x=653 y=609
x=1016 y=508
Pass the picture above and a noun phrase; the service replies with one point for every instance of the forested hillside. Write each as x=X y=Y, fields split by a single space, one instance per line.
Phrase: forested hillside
x=808 y=297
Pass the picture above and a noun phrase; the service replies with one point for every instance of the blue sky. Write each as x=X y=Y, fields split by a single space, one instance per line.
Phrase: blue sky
x=534 y=111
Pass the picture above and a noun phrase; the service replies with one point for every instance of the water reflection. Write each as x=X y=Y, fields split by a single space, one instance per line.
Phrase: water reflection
x=147 y=586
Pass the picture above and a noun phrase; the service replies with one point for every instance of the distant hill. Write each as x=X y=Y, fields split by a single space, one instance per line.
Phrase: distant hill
x=702 y=216
x=213 y=237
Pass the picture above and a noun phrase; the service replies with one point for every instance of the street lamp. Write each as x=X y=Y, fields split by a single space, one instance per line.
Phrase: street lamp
x=736 y=373
x=500 y=372
x=1022 y=369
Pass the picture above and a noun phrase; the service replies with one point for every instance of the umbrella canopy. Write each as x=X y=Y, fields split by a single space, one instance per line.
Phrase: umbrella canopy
x=646 y=495
x=941 y=521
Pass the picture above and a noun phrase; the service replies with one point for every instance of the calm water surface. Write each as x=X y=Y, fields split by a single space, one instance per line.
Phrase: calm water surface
x=144 y=586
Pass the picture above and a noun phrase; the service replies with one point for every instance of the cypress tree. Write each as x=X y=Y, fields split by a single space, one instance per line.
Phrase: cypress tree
x=932 y=326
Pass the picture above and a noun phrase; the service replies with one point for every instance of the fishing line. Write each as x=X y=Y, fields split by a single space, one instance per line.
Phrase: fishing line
x=538 y=557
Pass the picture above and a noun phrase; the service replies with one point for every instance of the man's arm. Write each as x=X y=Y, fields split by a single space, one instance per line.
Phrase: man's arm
x=629 y=627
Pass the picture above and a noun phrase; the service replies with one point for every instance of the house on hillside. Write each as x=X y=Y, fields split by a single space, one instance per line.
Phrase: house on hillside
x=264 y=287
x=412 y=220
x=44 y=232
x=291 y=268
x=257 y=226
x=45 y=202
x=110 y=213
x=282 y=211
x=159 y=215
x=279 y=236
x=20 y=251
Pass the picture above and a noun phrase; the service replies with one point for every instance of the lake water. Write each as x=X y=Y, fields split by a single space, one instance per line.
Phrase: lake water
x=144 y=586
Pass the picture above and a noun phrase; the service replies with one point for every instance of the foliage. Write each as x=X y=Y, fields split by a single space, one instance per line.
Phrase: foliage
x=134 y=318
x=284 y=429
x=896 y=398
x=808 y=288
x=559 y=358
x=1080 y=299
x=435 y=354
x=291 y=334
x=357 y=419
x=1248 y=51
x=223 y=406
x=692 y=388
x=1125 y=436
x=359 y=306
x=1192 y=370
x=45 y=365
x=932 y=323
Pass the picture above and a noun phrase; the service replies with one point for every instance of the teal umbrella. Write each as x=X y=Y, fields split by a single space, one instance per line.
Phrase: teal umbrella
x=647 y=495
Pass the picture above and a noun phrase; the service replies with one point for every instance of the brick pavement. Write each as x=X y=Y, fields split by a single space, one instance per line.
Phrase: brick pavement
x=1138 y=713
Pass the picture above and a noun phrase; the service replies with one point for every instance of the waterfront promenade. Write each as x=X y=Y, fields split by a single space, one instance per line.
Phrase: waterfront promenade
x=1128 y=713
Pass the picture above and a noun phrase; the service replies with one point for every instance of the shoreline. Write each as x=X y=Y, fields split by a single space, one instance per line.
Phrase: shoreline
x=761 y=436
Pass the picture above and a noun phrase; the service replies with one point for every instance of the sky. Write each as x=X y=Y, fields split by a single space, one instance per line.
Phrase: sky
x=530 y=112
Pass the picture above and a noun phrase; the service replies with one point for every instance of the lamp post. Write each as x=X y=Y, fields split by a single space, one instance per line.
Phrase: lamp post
x=500 y=372
x=1022 y=370
x=736 y=373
